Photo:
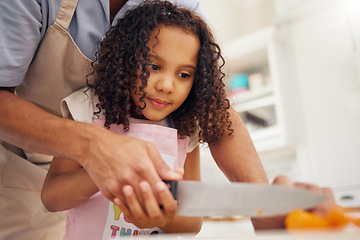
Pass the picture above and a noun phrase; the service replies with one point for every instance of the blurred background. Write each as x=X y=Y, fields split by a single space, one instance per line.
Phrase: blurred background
x=293 y=74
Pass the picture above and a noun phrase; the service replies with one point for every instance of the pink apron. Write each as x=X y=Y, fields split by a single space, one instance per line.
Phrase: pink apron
x=98 y=218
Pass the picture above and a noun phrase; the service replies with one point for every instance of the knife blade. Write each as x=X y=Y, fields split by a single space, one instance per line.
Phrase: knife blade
x=239 y=199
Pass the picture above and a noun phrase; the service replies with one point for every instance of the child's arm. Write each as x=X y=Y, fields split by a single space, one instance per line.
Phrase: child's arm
x=165 y=218
x=66 y=185
x=236 y=155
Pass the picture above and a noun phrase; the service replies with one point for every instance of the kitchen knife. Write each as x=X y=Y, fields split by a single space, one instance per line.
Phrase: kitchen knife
x=239 y=199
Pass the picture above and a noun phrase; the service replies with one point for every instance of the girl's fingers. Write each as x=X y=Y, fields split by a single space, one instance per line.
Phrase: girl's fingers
x=133 y=204
x=152 y=208
x=283 y=180
x=153 y=214
x=308 y=186
x=328 y=204
x=329 y=193
x=325 y=206
x=167 y=200
x=124 y=209
x=322 y=207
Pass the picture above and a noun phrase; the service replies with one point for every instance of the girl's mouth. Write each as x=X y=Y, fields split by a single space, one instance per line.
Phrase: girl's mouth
x=159 y=104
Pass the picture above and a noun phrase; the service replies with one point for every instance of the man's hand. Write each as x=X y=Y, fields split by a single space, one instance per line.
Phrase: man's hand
x=114 y=161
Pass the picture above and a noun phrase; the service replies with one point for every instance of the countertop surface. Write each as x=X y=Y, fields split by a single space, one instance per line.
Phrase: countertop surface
x=282 y=235
x=241 y=228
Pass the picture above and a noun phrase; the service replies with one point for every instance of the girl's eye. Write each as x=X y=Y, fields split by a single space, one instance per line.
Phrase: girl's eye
x=184 y=75
x=153 y=67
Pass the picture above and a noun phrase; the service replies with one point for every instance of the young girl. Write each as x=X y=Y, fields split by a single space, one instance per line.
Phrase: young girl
x=158 y=78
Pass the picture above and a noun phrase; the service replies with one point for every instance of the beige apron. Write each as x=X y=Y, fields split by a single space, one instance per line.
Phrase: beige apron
x=58 y=69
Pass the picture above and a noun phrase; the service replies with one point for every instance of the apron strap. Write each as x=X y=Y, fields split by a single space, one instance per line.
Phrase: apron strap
x=66 y=12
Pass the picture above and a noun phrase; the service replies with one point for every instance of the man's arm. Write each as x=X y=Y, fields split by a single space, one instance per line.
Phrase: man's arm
x=111 y=160
x=24 y=123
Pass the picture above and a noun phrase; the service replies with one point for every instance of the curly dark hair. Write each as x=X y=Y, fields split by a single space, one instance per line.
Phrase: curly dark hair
x=123 y=51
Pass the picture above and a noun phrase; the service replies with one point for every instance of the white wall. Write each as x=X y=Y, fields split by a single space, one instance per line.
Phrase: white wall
x=231 y=19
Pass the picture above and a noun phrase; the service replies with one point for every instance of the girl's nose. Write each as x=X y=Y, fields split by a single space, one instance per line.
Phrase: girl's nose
x=165 y=83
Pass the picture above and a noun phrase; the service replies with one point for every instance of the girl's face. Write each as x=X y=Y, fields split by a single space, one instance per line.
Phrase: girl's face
x=172 y=71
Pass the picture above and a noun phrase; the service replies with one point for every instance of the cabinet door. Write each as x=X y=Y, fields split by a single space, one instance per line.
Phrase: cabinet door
x=325 y=56
x=262 y=106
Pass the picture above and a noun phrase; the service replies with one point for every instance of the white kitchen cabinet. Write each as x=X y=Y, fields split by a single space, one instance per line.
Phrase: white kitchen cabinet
x=262 y=51
x=324 y=38
x=311 y=51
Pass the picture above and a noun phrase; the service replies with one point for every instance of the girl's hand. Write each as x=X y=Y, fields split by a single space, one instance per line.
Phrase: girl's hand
x=323 y=207
x=276 y=222
x=152 y=215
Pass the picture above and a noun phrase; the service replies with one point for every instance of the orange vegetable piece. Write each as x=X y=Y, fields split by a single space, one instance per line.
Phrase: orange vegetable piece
x=357 y=222
x=298 y=219
x=335 y=218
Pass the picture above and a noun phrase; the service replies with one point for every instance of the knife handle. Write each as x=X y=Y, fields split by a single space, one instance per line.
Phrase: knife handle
x=173 y=186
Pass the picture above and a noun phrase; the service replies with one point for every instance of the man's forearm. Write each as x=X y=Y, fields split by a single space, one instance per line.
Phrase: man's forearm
x=29 y=127
x=111 y=160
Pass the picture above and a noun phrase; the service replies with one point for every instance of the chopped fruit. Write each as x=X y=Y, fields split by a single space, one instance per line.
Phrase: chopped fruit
x=357 y=222
x=301 y=219
x=335 y=218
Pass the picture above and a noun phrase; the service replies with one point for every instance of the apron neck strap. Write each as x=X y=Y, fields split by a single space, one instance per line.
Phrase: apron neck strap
x=66 y=12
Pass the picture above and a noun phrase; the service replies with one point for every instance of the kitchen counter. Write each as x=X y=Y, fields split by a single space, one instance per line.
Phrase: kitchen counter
x=227 y=227
x=241 y=229
x=281 y=235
